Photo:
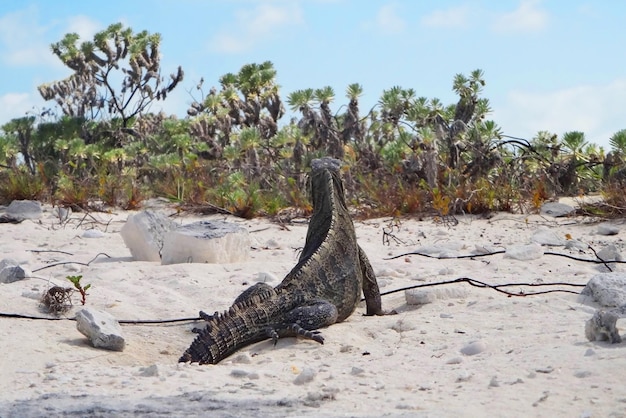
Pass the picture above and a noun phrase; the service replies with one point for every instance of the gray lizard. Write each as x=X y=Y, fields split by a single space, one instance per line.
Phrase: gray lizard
x=322 y=289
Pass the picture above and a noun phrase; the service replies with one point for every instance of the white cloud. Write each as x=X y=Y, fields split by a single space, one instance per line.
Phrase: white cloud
x=255 y=25
x=528 y=17
x=85 y=27
x=453 y=17
x=15 y=105
x=596 y=110
x=22 y=39
x=24 y=42
x=388 y=20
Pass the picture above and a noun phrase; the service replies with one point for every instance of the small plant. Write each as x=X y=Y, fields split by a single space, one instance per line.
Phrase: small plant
x=82 y=290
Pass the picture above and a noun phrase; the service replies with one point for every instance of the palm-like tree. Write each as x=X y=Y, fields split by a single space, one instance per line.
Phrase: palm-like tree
x=618 y=141
x=352 y=126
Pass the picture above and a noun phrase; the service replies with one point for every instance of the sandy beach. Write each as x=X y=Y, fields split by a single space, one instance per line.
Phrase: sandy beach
x=469 y=352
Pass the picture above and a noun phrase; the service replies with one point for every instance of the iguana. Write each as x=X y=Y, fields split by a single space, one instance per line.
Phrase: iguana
x=322 y=289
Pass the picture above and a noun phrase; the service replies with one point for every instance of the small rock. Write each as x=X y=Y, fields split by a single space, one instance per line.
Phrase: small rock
x=610 y=253
x=11 y=272
x=272 y=244
x=242 y=359
x=493 y=383
x=239 y=373
x=484 y=249
x=574 y=244
x=101 y=328
x=545 y=236
x=474 y=348
x=446 y=271
x=265 y=277
x=607 y=229
x=356 y=371
x=419 y=297
x=524 y=252
x=93 y=233
x=62 y=214
x=589 y=352
x=424 y=296
x=582 y=374
x=402 y=325
x=545 y=370
x=307 y=375
x=455 y=360
x=150 y=371
x=556 y=209
x=602 y=325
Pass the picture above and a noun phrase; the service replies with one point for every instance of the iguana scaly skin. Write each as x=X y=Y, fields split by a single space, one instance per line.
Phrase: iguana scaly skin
x=322 y=289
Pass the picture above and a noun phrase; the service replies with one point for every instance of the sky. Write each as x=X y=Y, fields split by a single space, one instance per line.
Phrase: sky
x=554 y=65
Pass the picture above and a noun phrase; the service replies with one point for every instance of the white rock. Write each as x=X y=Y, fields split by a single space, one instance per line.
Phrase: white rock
x=474 y=348
x=484 y=249
x=545 y=236
x=265 y=277
x=524 y=252
x=423 y=296
x=93 y=233
x=149 y=371
x=206 y=242
x=143 y=234
x=607 y=289
x=101 y=328
x=419 y=297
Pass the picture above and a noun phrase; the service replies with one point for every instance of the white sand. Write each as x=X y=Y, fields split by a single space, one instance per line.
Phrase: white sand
x=535 y=359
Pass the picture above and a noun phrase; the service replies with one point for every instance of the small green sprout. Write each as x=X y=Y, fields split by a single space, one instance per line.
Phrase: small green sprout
x=83 y=290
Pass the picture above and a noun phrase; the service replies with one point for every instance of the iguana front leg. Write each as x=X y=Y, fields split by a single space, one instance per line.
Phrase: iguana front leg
x=371 y=291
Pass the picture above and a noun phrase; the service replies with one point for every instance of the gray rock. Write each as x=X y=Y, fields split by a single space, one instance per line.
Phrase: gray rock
x=545 y=236
x=607 y=289
x=424 y=296
x=602 y=326
x=524 y=252
x=607 y=229
x=556 y=209
x=206 y=242
x=26 y=209
x=19 y=210
x=11 y=271
x=149 y=371
x=474 y=348
x=62 y=214
x=143 y=234
x=574 y=244
x=610 y=253
x=307 y=375
x=101 y=328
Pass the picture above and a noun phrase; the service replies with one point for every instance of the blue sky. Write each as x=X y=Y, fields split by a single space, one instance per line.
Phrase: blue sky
x=555 y=65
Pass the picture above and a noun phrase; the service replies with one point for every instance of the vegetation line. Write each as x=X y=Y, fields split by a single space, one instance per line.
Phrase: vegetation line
x=98 y=145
